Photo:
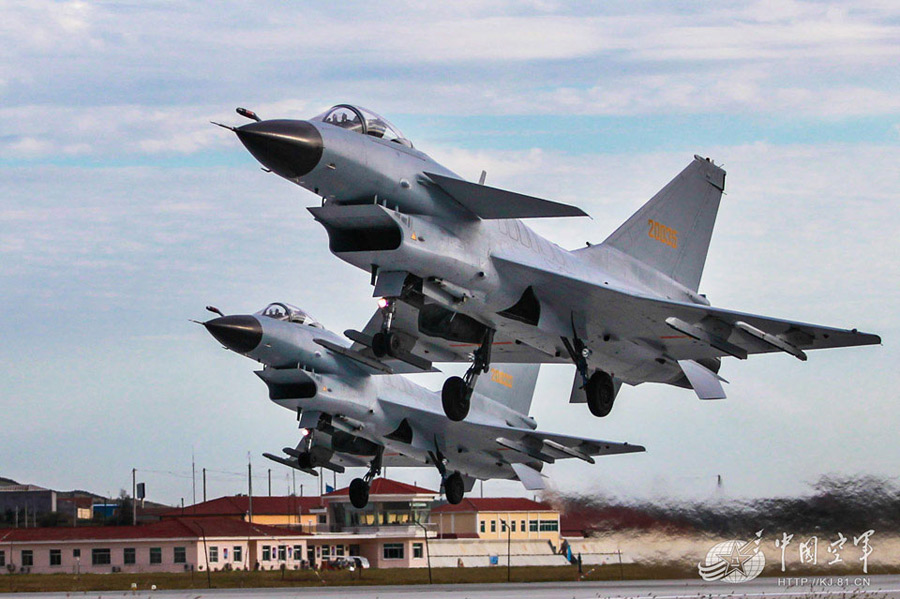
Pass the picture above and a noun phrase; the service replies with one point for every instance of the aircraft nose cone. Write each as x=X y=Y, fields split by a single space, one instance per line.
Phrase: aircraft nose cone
x=289 y=148
x=238 y=333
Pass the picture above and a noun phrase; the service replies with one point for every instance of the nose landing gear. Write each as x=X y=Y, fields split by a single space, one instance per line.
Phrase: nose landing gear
x=359 y=493
x=386 y=343
x=359 y=487
x=457 y=392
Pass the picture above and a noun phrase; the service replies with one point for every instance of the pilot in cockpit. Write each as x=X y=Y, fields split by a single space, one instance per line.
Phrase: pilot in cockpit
x=361 y=120
x=289 y=313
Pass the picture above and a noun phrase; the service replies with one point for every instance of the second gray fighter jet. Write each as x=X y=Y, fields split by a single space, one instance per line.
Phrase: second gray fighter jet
x=353 y=412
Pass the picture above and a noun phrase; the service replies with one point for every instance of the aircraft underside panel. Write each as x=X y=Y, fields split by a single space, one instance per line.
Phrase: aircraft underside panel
x=406 y=317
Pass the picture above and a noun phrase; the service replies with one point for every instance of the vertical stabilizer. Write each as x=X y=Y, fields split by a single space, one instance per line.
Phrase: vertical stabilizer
x=510 y=384
x=672 y=231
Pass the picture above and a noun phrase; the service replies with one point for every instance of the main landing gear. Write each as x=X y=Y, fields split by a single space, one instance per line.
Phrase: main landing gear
x=601 y=393
x=359 y=487
x=454 y=488
x=599 y=388
x=457 y=391
x=454 y=485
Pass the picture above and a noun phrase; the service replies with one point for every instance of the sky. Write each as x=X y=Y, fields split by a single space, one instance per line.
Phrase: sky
x=123 y=213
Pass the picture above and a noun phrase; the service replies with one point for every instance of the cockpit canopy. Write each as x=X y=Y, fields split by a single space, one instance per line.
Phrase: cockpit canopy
x=357 y=118
x=289 y=313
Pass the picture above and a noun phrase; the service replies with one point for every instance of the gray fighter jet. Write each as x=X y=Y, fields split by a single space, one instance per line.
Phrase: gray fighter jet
x=463 y=279
x=353 y=412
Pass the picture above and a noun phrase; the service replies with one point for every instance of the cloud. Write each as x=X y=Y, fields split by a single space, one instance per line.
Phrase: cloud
x=171 y=65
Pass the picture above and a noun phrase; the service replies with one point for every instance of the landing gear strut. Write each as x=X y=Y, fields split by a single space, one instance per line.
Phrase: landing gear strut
x=599 y=387
x=359 y=487
x=386 y=343
x=454 y=485
x=457 y=392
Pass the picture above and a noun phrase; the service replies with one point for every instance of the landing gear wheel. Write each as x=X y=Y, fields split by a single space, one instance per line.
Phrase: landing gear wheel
x=601 y=393
x=455 y=488
x=455 y=398
x=359 y=493
x=386 y=344
x=380 y=345
x=394 y=345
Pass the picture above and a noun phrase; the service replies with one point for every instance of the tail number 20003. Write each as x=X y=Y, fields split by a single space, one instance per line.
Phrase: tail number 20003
x=662 y=233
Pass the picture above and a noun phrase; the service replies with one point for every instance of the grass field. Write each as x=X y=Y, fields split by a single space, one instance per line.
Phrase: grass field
x=198 y=580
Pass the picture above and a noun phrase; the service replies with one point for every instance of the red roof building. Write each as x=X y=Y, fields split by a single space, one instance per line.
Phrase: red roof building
x=498 y=518
x=302 y=512
x=171 y=545
x=381 y=487
x=284 y=531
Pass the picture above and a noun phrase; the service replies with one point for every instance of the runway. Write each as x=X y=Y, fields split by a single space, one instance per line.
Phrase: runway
x=874 y=587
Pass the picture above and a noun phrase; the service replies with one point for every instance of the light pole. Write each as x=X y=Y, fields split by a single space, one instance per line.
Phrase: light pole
x=427 y=550
x=133 y=497
x=206 y=555
x=508 y=549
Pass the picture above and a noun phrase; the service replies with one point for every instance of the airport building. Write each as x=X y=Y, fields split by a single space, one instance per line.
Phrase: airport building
x=400 y=527
x=305 y=513
x=27 y=501
x=488 y=518
x=172 y=545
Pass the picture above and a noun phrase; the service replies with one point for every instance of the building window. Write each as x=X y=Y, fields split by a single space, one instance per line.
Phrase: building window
x=156 y=555
x=418 y=551
x=392 y=551
x=321 y=519
x=482 y=526
x=76 y=553
x=549 y=525
x=282 y=553
x=298 y=552
x=214 y=554
x=326 y=551
x=100 y=557
x=2 y=558
x=56 y=557
x=339 y=551
x=523 y=526
x=129 y=556
x=493 y=526
x=267 y=553
x=27 y=557
x=180 y=556
x=514 y=526
x=238 y=553
x=533 y=525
